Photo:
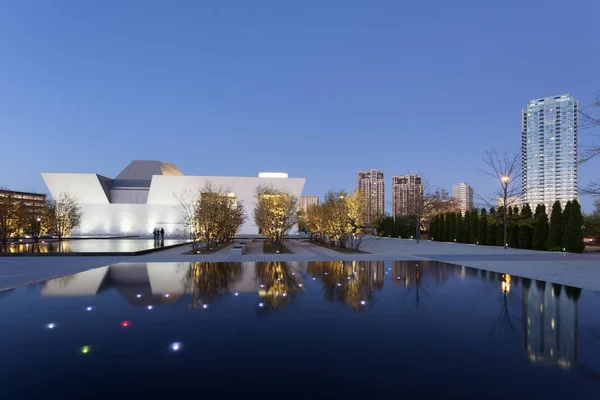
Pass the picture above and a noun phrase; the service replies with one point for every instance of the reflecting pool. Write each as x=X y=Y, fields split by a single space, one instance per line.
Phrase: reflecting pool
x=88 y=246
x=400 y=329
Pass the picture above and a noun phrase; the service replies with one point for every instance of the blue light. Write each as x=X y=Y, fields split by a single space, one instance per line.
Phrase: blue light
x=150 y=307
x=89 y=308
x=261 y=305
x=51 y=325
x=176 y=346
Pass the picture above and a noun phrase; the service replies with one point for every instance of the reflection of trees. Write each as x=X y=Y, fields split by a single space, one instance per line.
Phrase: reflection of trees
x=349 y=282
x=411 y=274
x=504 y=324
x=279 y=285
x=206 y=281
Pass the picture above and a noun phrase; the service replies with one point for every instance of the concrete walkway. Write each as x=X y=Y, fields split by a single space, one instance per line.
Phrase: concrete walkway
x=580 y=270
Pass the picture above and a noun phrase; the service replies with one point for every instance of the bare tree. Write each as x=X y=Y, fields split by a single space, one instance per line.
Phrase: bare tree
x=64 y=215
x=505 y=169
x=188 y=202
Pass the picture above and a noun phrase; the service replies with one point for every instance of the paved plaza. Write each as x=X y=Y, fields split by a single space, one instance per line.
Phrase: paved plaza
x=580 y=270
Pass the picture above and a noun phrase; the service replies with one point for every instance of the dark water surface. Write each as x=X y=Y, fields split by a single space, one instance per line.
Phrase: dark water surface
x=400 y=329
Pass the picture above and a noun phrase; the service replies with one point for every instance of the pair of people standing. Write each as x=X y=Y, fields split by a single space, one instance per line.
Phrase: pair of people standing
x=159 y=233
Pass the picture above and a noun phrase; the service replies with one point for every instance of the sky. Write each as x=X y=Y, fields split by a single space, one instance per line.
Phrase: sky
x=319 y=89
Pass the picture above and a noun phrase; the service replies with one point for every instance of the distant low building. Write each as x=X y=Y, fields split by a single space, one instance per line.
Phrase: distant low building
x=307 y=201
x=27 y=199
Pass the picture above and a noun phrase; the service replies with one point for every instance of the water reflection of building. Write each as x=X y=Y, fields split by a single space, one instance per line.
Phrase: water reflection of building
x=410 y=273
x=549 y=330
x=155 y=282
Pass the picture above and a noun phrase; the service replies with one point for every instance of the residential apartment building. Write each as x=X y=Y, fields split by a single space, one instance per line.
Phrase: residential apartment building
x=549 y=150
x=370 y=183
x=307 y=201
x=407 y=190
x=27 y=199
x=463 y=194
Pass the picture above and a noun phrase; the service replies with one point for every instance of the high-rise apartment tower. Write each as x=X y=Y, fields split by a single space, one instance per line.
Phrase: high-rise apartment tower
x=371 y=185
x=549 y=151
x=407 y=190
x=463 y=194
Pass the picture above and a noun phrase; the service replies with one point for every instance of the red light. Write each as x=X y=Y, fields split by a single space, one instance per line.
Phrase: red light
x=125 y=324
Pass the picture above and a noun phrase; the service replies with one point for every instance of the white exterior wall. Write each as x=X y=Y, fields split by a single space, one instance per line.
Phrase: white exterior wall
x=161 y=211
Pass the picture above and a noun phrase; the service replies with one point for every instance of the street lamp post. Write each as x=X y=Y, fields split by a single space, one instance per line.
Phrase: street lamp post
x=505 y=180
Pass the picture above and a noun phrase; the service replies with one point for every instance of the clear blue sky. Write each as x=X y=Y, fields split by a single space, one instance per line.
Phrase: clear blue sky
x=319 y=89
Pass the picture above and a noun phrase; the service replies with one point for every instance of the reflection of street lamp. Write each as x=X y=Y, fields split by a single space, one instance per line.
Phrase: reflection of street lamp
x=505 y=179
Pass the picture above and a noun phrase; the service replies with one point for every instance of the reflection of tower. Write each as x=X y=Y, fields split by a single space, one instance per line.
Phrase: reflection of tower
x=549 y=325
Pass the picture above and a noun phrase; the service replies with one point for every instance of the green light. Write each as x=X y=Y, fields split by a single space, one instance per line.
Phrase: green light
x=85 y=349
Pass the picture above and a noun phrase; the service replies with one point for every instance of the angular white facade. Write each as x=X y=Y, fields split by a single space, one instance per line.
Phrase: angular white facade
x=144 y=196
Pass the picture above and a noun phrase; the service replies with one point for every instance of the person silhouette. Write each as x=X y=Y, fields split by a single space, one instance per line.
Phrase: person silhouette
x=162 y=233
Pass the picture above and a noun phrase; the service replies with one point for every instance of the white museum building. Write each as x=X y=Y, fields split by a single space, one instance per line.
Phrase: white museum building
x=145 y=196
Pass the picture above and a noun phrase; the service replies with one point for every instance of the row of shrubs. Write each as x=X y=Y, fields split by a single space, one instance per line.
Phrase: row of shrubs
x=525 y=229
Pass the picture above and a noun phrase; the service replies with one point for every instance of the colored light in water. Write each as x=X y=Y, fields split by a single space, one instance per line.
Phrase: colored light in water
x=125 y=324
x=89 y=308
x=236 y=294
x=51 y=325
x=85 y=349
x=176 y=346
x=205 y=306
x=261 y=305
x=150 y=307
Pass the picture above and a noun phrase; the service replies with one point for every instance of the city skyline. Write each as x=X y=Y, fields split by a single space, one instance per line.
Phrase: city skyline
x=230 y=90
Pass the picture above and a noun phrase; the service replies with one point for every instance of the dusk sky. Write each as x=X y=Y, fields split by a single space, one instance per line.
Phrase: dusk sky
x=319 y=89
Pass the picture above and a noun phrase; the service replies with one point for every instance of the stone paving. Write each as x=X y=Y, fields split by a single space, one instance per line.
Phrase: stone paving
x=580 y=270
